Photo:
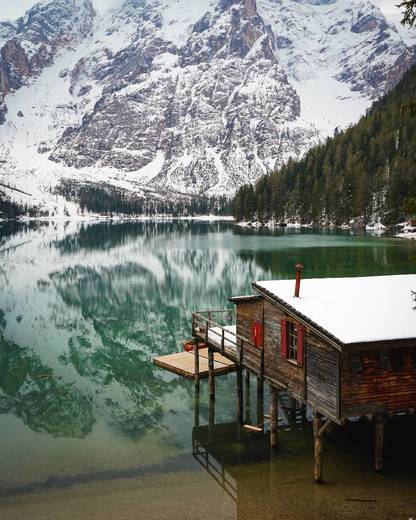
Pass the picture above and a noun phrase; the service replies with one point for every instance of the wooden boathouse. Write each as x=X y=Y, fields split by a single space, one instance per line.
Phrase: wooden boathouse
x=346 y=347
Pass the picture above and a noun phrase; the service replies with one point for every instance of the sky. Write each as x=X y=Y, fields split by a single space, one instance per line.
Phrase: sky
x=12 y=9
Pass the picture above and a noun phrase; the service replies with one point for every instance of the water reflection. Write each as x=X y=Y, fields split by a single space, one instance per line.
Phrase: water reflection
x=30 y=391
x=84 y=308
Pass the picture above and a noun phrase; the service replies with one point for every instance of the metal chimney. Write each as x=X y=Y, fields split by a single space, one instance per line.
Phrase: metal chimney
x=299 y=269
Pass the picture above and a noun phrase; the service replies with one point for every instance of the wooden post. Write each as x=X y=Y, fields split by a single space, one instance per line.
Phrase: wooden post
x=303 y=412
x=274 y=416
x=260 y=386
x=319 y=446
x=196 y=410
x=240 y=395
x=211 y=419
x=196 y=362
x=248 y=414
x=211 y=374
x=260 y=401
x=379 y=441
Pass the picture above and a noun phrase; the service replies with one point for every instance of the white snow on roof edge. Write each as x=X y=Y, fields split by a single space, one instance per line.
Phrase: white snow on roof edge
x=354 y=310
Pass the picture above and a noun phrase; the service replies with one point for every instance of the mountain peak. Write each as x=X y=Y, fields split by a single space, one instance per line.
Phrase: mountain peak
x=198 y=96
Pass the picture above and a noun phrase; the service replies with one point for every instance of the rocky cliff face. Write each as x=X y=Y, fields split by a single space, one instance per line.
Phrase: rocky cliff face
x=29 y=45
x=216 y=106
x=198 y=96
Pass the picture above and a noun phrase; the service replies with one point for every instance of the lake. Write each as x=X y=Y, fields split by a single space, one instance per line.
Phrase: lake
x=89 y=428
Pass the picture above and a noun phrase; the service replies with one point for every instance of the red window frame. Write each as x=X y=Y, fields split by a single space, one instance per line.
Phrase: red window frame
x=257 y=333
x=285 y=338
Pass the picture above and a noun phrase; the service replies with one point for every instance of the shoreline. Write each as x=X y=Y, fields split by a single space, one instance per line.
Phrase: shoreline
x=126 y=218
x=400 y=230
x=378 y=229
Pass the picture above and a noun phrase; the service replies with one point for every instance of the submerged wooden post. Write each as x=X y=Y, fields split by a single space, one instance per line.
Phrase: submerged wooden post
x=240 y=394
x=318 y=445
x=274 y=416
x=248 y=414
x=196 y=361
x=211 y=374
x=379 y=442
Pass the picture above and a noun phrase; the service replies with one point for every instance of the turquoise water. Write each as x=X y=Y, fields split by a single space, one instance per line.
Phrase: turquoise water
x=85 y=307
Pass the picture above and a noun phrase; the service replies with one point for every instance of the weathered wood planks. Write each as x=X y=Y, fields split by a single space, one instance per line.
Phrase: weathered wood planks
x=183 y=364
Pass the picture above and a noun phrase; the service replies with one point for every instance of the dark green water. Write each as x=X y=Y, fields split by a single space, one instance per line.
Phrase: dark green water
x=84 y=308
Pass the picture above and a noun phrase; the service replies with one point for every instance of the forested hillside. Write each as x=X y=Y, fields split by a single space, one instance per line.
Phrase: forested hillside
x=364 y=172
x=109 y=200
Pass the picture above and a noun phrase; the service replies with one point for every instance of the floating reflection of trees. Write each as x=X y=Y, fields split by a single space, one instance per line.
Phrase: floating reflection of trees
x=10 y=228
x=106 y=235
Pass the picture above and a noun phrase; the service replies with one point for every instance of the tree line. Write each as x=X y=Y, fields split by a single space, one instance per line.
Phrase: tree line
x=109 y=200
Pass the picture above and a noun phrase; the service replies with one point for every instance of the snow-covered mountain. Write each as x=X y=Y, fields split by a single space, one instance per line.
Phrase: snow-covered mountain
x=195 y=96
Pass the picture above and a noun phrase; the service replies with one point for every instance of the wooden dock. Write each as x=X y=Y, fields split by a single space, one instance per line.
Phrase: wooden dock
x=183 y=364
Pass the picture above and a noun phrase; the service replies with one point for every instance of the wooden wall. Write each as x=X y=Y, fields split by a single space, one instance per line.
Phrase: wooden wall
x=328 y=381
x=377 y=388
x=316 y=382
x=322 y=375
x=246 y=313
x=277 y=369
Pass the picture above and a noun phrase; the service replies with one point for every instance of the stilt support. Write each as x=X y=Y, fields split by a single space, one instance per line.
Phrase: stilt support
x=211 y=418
x=260 y=402
x=260 y=387
x=240 y=403
x=196 y=410
x=211 y=374
x=196 y=360
x=318 y=431
x=379 y=441
x=274 y=416
x=247 y=398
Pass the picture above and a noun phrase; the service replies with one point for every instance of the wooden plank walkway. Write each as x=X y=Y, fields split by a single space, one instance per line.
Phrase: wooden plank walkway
x=183 y=364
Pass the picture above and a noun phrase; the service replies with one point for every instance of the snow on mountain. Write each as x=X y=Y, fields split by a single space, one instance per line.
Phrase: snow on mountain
x=338 y=55
x=197 y=97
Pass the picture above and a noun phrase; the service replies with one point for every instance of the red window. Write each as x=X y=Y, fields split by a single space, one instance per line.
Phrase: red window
x=292 y=341
x=257 y=333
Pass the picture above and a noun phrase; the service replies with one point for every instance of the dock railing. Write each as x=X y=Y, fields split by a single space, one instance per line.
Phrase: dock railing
x=216 y=332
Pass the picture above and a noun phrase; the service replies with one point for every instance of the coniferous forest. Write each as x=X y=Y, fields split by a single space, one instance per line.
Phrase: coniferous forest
x=109 y=200
x=363 y=173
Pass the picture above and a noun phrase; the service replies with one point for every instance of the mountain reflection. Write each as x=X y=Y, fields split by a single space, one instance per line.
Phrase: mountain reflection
x=30 y=391
x=86 y=307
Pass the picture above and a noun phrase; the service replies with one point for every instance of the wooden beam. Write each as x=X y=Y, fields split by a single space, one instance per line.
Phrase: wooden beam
x=252 y=428
x=211 y=374
x=196 y=361
x=260 y=401
x=240 y=404
x=274 y=416
x=196 y=410
x=260 y=386
x=379 y=442
x=325 y=427
x=318 y=447
x=247 y=397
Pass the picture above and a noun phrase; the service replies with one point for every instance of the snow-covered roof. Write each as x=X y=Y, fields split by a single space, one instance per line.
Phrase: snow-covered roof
x=354 y=310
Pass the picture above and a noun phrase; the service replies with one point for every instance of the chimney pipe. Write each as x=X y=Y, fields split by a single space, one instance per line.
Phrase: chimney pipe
x=299 y=269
